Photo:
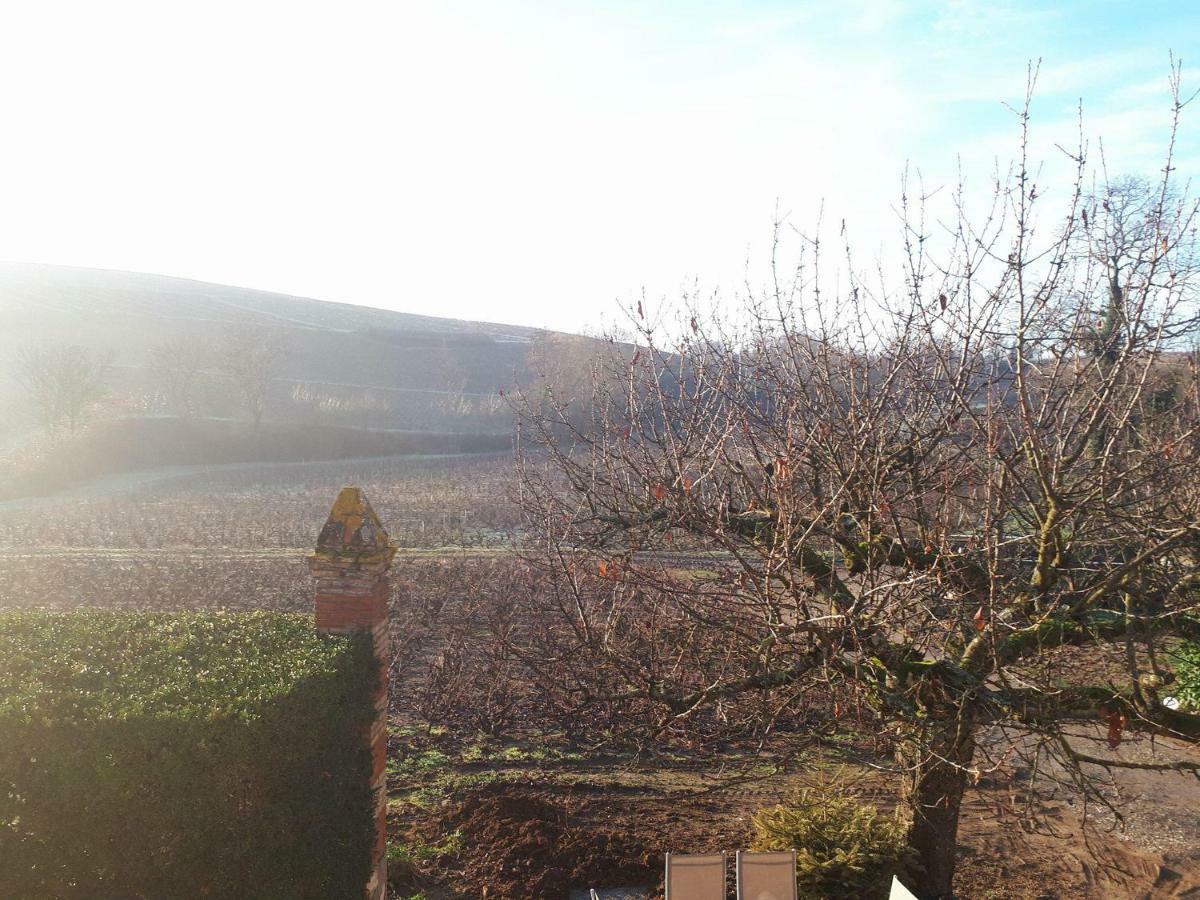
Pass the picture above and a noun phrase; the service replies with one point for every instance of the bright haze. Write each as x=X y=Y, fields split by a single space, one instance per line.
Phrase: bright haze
x=530 y=162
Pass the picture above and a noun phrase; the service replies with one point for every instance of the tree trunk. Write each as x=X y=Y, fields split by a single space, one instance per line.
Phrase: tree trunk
x=937 y=763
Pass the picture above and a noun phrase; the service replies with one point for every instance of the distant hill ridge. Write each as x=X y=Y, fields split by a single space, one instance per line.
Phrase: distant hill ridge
x=346 y=366
x=71 y=289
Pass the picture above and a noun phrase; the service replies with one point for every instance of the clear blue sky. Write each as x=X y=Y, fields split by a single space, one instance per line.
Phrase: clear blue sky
x=530 y=161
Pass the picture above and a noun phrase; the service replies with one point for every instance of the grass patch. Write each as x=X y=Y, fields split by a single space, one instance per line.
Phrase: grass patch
x=418 y=852
x=419 y=764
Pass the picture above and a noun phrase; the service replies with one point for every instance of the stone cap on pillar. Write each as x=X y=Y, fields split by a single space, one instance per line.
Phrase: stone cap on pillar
x=353 y=535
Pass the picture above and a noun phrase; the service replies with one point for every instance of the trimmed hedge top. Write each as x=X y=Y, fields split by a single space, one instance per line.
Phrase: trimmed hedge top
x=77 y=667
x=145 y=756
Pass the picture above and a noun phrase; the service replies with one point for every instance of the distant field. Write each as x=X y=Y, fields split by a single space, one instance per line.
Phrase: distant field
x=233 y=535
x=122 y=446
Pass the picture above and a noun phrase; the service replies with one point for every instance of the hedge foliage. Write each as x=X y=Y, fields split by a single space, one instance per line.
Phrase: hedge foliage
x=844 y=848
x=1187 y=671
x=193 y=755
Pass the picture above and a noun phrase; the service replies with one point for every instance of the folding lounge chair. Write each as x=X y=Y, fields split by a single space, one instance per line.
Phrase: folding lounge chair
x=696 y=877
x=766 y=876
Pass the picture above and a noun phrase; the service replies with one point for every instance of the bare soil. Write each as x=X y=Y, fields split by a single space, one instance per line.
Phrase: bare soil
x=536 y=830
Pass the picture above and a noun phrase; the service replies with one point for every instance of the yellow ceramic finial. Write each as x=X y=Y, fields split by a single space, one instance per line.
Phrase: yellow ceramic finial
x=352 y=526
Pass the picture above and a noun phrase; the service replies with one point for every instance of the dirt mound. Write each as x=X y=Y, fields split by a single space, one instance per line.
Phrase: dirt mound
x=528 y=845
x=1062 y=857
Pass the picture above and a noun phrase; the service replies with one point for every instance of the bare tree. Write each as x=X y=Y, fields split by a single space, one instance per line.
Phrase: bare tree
x=912 y=498
x=64 y=382
x=1130 y=233
x=567 y=369
x=178 y=367
x=251 y=356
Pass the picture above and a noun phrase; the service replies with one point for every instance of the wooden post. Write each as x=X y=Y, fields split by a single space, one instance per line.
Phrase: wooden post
x=350 y=569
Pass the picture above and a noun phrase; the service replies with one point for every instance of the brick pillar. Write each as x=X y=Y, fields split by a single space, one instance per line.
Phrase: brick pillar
x=350 y=567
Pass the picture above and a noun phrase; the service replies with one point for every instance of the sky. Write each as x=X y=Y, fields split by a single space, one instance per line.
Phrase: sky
x=538 y=163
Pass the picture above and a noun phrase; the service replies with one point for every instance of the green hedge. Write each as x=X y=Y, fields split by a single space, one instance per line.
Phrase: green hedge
x=194 y=755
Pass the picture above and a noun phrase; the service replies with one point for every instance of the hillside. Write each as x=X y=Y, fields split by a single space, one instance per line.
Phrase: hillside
x=352 y=381
x=345 y=365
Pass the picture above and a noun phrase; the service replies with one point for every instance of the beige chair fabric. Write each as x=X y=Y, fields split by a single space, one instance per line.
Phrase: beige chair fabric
x=696 y=877
x=766 y=876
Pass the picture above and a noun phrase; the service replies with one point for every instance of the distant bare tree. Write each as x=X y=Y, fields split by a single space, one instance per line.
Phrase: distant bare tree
x=178 y=366
x=1130 y=233
x=251 y=356
x=565 y=369
x=64 y=382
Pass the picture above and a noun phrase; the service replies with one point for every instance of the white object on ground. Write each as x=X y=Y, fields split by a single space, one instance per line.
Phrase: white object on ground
x=900 y=892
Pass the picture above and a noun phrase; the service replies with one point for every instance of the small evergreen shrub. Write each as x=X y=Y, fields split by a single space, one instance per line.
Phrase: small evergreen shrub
x=194 y=755
x=844 y=848
x=1187 y=671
